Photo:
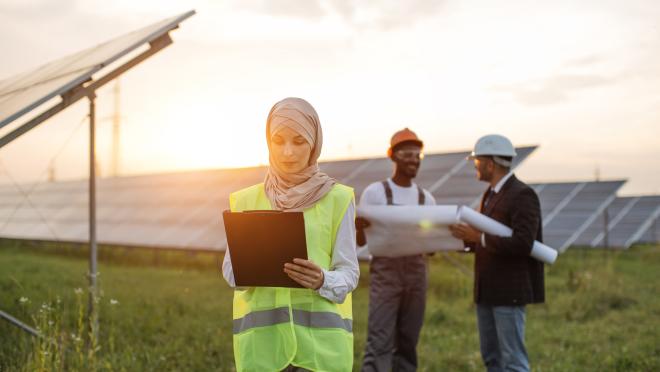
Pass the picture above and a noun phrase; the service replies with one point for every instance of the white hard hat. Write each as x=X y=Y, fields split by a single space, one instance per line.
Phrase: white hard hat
x=494 y=145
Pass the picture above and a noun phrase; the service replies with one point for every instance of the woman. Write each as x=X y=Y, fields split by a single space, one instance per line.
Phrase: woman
x=309 y=328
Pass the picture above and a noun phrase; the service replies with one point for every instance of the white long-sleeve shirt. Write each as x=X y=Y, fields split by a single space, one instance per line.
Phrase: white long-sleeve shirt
x=342 y=278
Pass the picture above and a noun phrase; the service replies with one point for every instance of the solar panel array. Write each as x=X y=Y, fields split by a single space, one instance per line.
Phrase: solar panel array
x=183 y=210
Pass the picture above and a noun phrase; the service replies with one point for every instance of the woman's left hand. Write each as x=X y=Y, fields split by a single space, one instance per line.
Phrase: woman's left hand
x=305 y=273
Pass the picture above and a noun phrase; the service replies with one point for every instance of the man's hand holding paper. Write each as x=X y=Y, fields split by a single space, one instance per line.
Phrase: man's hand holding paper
x=465 y=232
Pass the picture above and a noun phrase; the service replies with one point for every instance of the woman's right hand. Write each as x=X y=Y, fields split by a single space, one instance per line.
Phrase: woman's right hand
x=305 y=272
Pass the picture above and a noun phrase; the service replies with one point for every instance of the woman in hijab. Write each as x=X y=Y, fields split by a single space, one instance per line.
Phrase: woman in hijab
x=310 y=328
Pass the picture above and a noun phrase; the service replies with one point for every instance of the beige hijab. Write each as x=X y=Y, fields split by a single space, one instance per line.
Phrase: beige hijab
x=296 y=191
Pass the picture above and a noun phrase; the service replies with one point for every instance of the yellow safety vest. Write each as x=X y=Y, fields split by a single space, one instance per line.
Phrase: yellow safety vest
x=275 y=327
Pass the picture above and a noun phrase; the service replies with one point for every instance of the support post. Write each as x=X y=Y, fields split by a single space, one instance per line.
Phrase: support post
x=19 y=324
x=606 y=228
x=116 y=122
x=93 y=290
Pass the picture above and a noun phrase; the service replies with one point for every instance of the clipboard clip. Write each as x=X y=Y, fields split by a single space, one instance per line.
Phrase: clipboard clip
x=263 y=211
x=255 y=211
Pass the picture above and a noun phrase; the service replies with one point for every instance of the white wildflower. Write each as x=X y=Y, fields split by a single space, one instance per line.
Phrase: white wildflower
x=23 y=300
x=78 y=290
x=114 y=302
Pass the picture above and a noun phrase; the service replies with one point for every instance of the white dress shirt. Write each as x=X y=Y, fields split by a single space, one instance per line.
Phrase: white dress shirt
x=501 y=182
x=342 y=278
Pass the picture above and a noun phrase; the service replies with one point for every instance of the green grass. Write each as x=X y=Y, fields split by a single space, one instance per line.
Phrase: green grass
x=602 y=311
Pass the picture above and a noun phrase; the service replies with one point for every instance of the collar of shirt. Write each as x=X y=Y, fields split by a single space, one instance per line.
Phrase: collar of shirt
x=499 y=185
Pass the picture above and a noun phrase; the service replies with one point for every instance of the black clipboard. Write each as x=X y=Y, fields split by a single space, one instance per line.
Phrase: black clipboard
x=261 y=242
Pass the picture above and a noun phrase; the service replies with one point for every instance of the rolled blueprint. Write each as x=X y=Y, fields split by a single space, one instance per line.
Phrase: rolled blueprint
x=403 y=230
x=488 y=225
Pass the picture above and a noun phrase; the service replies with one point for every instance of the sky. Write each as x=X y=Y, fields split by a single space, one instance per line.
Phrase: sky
x=580 y=79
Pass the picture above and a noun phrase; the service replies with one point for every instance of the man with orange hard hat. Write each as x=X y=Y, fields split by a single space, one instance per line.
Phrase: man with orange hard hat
x=397 y=288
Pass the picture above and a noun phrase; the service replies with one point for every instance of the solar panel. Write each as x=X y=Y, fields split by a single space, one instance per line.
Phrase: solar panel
x=629 y=220
x=652 y=234
x=27 y=91
x=640 y=219
x=569 y=208
x=343 y=170
x=594 y=235
x=552 y=197
x=375 y=170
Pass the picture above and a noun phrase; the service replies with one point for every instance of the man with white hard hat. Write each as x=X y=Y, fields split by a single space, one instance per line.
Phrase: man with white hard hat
x=506 y=278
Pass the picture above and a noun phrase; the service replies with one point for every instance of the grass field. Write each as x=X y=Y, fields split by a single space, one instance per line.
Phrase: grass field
x=172 y=311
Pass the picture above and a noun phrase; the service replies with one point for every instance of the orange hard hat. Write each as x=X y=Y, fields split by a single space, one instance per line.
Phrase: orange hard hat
x=404 y=135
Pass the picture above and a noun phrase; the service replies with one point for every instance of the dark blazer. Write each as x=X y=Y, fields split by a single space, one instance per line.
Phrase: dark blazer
x=504 y=273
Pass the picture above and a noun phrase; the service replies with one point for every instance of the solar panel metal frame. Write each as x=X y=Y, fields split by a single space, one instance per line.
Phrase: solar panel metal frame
x=74 y=89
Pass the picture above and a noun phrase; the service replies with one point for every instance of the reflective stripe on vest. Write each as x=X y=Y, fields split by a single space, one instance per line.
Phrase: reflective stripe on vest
x=317 y=319
x=321 y=319
x=261 y=319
